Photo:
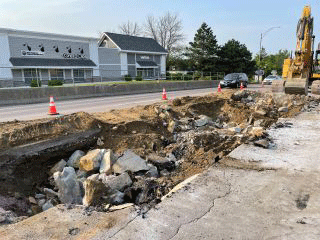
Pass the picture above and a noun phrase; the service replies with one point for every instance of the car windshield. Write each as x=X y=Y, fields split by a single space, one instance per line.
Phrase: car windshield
x=232 y=76
x=271 y=77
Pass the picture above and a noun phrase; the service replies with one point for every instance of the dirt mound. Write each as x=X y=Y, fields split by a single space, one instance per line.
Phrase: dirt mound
x=25 y=132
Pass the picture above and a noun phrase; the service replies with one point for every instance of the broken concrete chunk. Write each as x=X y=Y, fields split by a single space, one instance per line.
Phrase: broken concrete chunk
x=50 y=192
x=161 y=162
x=257 y=131
x=172 y=126
x=47 y=205
x=262 y=143
x=119 y=207
x=95 y=189
x=40 y=195
x=259 y=113
x=32 y=200
x=283 y=109
x=41 y=202
x=117 y=182
x=153 y=171
x=91 y=161
x=69 y=189
x=107 y=161
x=130 y=162
x=237 y=96
x=74 y=160
x=115 y=198
x=58 y=167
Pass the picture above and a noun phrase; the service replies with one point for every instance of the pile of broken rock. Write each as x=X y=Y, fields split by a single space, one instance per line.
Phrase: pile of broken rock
x=102 y=178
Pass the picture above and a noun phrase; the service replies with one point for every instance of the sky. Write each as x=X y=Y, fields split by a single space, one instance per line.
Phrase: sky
x=241 y=20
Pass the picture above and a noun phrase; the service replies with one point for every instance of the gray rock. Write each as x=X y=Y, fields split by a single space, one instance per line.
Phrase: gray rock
x=201 y=122
x=74 y=159
x=171 y=157
x=153 y=171
x=107 y=161
x=40 y=195
x=41 y=202
x=283 y=109
x=237 y=96
x=47 y=206
x=50 y=193
x=91 y=161
x=164 y=173
x=81 y=174
x=117 y=182
x=262 y=143
x=69 y=189
x=116 y=198
x=161 y=162
x=130 y=162
x=58 y=167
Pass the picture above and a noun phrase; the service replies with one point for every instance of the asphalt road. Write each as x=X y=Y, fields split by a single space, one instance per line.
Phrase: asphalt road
x=91 y=105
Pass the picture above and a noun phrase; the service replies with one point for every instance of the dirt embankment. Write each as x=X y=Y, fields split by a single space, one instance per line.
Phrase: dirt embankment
x=197 y=131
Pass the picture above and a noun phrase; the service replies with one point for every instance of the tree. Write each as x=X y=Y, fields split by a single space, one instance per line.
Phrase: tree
x=203 y=50
x=166 y=30
x=272 y=61
x=235 y=57
x=177 y=59
x=130 y=28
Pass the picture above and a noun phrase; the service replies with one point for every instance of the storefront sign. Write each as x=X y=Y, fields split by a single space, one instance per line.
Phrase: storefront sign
x=70 y=55
x=31 y=53
x=145 y=57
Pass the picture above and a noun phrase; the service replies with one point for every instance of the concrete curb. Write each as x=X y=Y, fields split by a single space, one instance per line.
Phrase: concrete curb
x=41 y=95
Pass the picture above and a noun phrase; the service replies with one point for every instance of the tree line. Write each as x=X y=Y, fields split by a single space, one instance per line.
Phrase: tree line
x=203 y=54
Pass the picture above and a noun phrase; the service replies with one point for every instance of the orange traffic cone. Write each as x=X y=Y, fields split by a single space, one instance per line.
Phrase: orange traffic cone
x=219 y=88
x=52 y=107
x=164 y=94
x=241 y=86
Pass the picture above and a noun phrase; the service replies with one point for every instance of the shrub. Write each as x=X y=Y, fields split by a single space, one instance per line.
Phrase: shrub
x=206 y=78
x=138 y=78
x=127 y=78
x=197 y=75
x=187 y=77
x=55 y=82
x=35 y=83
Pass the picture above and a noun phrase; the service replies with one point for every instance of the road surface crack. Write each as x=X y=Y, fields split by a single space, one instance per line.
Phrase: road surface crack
x=204 y=214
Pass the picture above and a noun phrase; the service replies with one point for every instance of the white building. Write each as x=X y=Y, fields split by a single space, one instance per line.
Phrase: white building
x=27 y=55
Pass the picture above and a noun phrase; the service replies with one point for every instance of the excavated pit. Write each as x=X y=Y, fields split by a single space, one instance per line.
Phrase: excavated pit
x=197 y=131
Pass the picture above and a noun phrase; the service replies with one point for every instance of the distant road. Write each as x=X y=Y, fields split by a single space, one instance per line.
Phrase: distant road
x=91 y=105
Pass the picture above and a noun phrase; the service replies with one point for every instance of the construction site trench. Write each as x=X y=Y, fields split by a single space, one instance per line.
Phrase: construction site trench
x=135 y=155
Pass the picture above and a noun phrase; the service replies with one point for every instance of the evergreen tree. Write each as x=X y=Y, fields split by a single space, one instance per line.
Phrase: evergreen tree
x=235 y=57
x=203 y=50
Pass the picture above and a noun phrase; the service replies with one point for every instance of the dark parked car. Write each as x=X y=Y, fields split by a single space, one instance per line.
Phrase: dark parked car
x=234 y=80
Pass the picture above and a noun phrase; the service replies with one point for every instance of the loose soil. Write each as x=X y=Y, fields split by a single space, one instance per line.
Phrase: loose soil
x=146 y=130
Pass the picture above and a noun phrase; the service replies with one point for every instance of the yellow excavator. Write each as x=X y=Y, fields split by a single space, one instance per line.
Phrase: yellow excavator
x=299 y=72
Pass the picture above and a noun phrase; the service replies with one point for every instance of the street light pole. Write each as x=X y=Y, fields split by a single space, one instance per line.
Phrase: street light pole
x=261 y=37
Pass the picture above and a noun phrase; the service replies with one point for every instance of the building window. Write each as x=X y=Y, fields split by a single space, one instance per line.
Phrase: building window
x=30 y=74
x=145 y=72
x=78 y=75
x=56 y=74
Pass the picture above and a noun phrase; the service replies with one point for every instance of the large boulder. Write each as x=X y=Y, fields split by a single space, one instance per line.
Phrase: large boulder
x=107 y=161
x=58 y=167
x=129 y=161
x=117 y=182
x=91 y=161
x=95 y=190
x=68 y=185
x=74 y=159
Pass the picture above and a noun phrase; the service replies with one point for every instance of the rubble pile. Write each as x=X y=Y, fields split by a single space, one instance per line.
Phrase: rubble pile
x=143 y=152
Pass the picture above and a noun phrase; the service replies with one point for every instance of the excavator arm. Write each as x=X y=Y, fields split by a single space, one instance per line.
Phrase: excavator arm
x=297 y=71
